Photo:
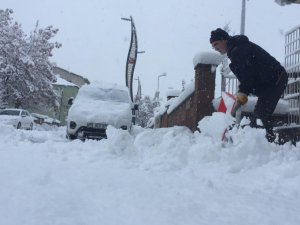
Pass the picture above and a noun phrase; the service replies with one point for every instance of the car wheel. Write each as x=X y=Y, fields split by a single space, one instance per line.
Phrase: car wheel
x=71 y=136
x=19 y=125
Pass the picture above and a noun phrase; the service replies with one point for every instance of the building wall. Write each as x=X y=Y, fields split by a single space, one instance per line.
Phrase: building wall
x=292 y=65
x=65 y=93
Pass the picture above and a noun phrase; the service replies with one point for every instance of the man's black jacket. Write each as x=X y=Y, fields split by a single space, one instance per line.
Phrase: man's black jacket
x=255 y=68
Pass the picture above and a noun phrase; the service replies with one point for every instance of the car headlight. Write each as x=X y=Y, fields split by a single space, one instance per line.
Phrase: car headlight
x=73 y=125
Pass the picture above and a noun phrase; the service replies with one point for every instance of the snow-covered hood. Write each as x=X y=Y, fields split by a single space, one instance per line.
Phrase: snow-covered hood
x=112 y=113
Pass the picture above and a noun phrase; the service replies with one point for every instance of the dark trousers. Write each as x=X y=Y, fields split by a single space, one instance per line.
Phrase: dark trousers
x=266 y=104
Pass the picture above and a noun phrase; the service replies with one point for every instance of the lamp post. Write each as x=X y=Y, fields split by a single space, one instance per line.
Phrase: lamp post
x=159 y=76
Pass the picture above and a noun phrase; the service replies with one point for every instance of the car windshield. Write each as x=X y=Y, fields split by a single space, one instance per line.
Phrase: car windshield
x=10 y=112
x=111 y=94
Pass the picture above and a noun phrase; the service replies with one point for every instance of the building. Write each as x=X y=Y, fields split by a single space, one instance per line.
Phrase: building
x=292 y=65
x=71 y=77
x=65 y=90
x=66 y=87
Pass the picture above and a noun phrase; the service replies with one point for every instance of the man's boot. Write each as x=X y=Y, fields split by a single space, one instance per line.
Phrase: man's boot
x=270 y=135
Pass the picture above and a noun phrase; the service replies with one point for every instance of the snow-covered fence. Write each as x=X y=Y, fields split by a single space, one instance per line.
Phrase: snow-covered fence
x=292 y=94
x=229 y=82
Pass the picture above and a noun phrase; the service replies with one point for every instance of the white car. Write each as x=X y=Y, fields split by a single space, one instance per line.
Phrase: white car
x=19 y=118
x=96 y=106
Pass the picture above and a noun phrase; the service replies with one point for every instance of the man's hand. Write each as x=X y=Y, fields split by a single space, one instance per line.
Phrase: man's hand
x=235 y=108
x=241 y=98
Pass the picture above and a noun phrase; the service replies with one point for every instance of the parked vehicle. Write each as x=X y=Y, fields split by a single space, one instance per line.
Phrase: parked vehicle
x=43 y=119
x=38 y=118
x=19 y=118
x=96 y=106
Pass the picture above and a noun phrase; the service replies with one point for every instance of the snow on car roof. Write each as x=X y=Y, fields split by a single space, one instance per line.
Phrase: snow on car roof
x=101 y=101
x=104 y=91
x=105 y=85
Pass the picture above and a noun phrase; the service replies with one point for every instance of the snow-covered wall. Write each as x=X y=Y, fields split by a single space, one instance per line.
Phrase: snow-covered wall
x=181 y=98
x=208 y=58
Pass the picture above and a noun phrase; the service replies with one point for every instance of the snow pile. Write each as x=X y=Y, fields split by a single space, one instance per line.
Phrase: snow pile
x=162 y=176
x=220 y=119
x=210 y=58
x=281 y=108
x=173 y=93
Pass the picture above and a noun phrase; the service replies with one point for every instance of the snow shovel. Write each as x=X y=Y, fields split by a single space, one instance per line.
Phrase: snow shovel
x=237 y=113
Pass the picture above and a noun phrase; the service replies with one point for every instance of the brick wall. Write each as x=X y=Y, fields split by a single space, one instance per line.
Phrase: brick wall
x=196 y=106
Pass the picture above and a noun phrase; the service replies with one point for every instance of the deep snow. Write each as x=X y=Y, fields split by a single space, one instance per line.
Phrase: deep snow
x=167 y=176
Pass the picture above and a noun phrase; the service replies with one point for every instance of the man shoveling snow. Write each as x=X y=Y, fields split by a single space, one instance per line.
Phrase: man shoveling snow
x=258 y=72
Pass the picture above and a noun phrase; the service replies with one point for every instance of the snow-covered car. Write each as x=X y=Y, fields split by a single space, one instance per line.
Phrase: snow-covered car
x=96 y=106
x=19 y=118
x=38 y=118
x=41 y=119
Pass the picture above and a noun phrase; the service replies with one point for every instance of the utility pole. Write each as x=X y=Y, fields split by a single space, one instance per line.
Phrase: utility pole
x=243 y=15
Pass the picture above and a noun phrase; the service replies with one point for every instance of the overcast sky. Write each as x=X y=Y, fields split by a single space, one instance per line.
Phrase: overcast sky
x=95 y=40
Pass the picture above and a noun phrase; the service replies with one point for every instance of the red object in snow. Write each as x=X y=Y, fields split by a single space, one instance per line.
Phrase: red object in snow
x=222 y=107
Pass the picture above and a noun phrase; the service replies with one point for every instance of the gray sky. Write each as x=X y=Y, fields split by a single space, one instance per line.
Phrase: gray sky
x=95 y=40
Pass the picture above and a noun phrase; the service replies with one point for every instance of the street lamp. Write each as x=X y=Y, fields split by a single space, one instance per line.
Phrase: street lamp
x=127 y=19
x=159 y=76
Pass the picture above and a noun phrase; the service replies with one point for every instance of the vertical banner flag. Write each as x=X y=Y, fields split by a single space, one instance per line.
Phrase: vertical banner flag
x=131 y=58
x=139 y=92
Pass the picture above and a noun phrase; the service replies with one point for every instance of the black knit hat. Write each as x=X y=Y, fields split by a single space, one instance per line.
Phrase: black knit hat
x=218 y=35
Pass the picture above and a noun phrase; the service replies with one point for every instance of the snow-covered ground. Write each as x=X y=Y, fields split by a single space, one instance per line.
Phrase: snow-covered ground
x=167 y=176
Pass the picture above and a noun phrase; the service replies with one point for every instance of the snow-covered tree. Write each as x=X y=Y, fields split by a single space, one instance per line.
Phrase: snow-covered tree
x=146 y=110
x=26 y=75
